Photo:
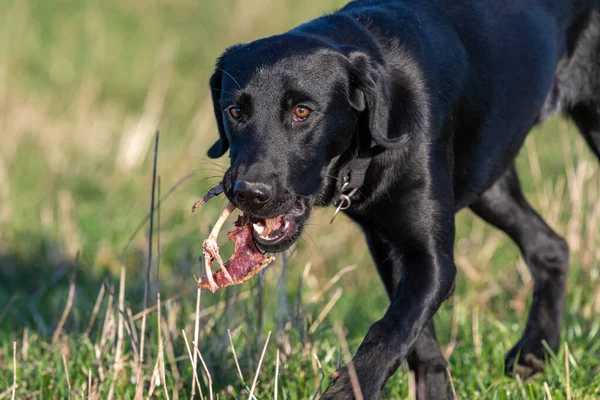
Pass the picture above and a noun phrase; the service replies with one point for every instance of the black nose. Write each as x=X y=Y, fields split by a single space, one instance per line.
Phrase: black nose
x=251 y=195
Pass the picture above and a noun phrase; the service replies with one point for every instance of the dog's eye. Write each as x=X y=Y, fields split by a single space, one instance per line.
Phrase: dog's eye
x=301 y=113
x=235 y=112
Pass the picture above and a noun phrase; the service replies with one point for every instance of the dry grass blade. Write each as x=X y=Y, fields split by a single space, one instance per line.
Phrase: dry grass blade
x=276 y=376
x=67 y=374
x=187 y=345
x=139 y=375
x=128 y=323
x=333 y=281
x=161 y=349
x=521 y=386
x=154 y=377
x=147 y=217
x=67 y=310
x=237 y=364
x=412 y=386
x=89 y=384
x=477 y=342
x=14 y=386
x=547 y=390
x=8 y=306
x=320 y=383
x=222 y=305
x=6 y=392
x=454 y=396
x=106 y=329
x=158 y=237
x=95 y=310
x=351 y=371
x=153 y=307
x=567 y=374
x=454 y=329
x=25 y=344
x=172 y=362
x=120 y=323
x=330 y=304
x=196 y=331
x=209 y=377
x=534 y=163
x=258 y=367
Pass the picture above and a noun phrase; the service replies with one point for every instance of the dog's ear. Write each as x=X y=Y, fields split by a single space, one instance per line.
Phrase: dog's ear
x=222 y=145
x=369 y=94
x=393 y=106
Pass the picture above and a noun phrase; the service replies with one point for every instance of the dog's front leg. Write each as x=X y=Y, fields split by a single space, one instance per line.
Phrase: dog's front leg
x=422 y=235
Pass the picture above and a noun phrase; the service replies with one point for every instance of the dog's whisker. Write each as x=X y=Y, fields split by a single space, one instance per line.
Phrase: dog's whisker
x=231 y=76
x=221 y=90
x=223 y=167
x=311 y=246
x=207 y=171
x=300 y=195
x=208 y=178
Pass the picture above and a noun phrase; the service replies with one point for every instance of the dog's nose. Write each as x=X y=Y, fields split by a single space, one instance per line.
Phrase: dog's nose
x=251 y=195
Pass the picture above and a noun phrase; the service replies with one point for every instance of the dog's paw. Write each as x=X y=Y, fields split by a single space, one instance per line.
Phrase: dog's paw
x=526 y=358
x=340 y=386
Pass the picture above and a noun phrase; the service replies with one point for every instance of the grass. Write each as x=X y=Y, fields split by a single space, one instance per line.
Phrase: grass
x=83 y=87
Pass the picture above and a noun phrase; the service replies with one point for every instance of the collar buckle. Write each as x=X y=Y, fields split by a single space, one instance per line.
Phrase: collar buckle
x=344 y=201
x=353 y=175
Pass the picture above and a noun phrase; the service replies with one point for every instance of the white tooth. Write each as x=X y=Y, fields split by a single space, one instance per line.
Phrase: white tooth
x=258 y=228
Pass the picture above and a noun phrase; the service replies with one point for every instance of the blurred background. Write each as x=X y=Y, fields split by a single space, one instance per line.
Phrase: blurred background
x=84 y=86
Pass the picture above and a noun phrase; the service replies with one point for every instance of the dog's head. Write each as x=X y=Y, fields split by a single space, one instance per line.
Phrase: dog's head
x=287 y=107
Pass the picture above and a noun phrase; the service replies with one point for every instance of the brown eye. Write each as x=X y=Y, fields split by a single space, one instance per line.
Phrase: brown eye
x=235 y=113
x=301 y=113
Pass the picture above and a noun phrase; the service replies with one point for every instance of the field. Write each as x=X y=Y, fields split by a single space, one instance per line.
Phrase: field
x=84 y=86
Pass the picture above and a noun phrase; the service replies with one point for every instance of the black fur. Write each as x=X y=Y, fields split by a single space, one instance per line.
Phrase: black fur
x=444 y=93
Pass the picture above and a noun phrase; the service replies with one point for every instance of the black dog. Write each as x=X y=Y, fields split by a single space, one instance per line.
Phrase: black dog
x=406 y=111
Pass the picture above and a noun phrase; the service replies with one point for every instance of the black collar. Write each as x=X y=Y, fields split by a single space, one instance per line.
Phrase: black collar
x=352 y=174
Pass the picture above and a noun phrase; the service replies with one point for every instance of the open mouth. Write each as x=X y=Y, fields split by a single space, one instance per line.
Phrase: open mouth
x=273 y=235
x=272 y=230
x=254 y=238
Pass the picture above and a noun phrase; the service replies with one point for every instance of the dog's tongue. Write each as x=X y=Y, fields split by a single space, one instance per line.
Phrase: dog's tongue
x=246 y=260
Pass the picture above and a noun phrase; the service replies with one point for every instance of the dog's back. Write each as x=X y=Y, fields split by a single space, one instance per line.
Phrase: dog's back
x=501 y=67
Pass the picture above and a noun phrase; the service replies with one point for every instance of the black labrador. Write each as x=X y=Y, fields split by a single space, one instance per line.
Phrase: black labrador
x=402 y=112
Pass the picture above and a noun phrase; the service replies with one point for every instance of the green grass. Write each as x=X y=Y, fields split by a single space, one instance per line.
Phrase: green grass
x=83 y=87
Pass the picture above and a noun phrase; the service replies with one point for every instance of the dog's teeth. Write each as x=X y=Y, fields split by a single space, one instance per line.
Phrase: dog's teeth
x=258 y=228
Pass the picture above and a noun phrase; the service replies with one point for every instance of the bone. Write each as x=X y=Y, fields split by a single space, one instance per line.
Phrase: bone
x=211 y=246
x=219 y=224
x=212 y=285
x=211 y=253
x=217 y=190
x=211 y=249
